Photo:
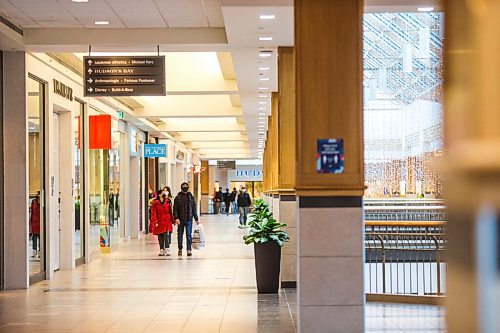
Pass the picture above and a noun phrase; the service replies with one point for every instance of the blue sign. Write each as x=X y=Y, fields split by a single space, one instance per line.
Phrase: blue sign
x=330 y=157
x=155 y=150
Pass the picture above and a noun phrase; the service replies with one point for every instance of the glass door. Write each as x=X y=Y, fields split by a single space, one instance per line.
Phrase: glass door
x=78 y=196
x=36 y=110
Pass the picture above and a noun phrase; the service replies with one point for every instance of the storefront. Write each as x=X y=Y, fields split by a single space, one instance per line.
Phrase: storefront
x=250 y=178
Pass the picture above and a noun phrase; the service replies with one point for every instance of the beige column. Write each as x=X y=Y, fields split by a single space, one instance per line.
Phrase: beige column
x=328 y=46
x=472 y=144
x=15 y=171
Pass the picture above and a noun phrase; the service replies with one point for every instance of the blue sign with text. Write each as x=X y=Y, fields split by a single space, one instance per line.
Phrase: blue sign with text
x=155 y=150
x=330 y=157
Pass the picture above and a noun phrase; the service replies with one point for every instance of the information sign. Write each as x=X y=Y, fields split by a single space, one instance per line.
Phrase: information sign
x=124 y=76
x=155 y=150
x=330 y=156
x=226 y=165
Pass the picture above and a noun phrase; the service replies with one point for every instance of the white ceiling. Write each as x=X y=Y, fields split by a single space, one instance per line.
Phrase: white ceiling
x=216 y=105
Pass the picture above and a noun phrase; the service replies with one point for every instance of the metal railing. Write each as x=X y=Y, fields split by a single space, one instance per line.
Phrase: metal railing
x=405 y=258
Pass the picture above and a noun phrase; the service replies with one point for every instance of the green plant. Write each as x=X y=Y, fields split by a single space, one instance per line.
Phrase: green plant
x=264 y=227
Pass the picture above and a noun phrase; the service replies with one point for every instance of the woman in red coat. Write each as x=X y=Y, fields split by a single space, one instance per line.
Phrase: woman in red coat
x=35 y=225
x=161 y=221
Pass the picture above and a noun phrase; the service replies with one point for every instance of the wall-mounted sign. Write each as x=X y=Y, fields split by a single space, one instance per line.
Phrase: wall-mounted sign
x=124 y=76
x=155 y=150
x=226 y=165
x=63 y=90
x=120 y=114
x=330 y=156
x=248 y=173
x=180 y=155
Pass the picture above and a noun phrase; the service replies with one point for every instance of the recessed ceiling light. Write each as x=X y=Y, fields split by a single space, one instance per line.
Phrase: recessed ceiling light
x=263 y=68
x=101 y=22
x=267 y=16
x=262 y=113
x=262 y=96
x=262 y=102
x=265 y=54
x=264 y=79
x=262 y=108
x=80 y=0
x=263 y=88
x=425 y=9
x=265 y=38
x=262 y=118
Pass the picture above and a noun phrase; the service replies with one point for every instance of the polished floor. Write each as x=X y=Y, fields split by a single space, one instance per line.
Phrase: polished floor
x=134 y=290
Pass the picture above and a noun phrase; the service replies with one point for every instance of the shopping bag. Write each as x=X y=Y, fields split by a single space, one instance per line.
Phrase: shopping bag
x=198 y=237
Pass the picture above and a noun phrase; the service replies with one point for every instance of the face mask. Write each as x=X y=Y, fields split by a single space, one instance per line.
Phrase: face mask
x=164 y=196
x=184 y=189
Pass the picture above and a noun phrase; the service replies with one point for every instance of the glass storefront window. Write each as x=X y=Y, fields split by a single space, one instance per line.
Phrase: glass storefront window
x=403 y=112
x=36 y=111
x=77 y=189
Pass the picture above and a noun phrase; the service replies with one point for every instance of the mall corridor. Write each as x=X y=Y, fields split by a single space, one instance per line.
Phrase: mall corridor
x=135 y=290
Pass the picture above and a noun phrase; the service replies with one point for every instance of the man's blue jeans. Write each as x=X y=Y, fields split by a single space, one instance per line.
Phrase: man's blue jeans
x=188 y=227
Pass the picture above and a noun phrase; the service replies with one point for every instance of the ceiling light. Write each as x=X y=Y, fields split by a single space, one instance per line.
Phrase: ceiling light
x=262 y=96
x=263 y=88
x=265 y=38
x=101 y=22
x=267 y=16
x=263 y=68
x=262 y=118
x=262 y=109
x=80 y=0
x=262 y=113
x=264 y=79
x=425 y=9
x=262 y=102
x=265 y=54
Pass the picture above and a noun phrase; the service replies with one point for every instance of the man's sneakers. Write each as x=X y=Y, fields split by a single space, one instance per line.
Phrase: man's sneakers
x=180 y=252
x=162 y=253
x=241 y=226
x=190 y=253
x=168 y=252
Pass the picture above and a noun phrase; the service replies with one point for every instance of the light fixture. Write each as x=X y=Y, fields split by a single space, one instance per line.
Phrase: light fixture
x=265 y=54
x=262 y=113
x=263 y=68
x=80 y=0
x=267 y=16
x=265 y=38
x=262 y=108
x=425 y=9
x=101 y=22
x=262 y=96
x=263 y=88
x=262 y=102
x=262 y=118
x=264 y=79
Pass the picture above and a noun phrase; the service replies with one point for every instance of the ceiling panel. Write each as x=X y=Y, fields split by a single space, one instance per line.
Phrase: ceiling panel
x=133 y=13
x=16 y=16
x=44 y=12
x=95 y=10
x=183 y=14
x=214 y=13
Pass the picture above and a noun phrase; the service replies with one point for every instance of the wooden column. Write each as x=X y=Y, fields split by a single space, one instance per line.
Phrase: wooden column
x=472 y=141
x=205 y=186
x=328 y=46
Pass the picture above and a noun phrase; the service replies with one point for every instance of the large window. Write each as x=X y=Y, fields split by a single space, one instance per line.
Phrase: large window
x=402 y=58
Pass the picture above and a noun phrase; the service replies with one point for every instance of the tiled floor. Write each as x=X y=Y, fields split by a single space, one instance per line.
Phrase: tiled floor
x=134 y=290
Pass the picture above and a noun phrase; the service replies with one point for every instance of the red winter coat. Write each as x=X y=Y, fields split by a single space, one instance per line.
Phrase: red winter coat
x=162 y=217
x=35 y=217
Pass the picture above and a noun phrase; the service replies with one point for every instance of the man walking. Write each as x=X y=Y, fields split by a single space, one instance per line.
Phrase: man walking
x=184 y=212
x=218 y=201
x=227 y=201
x=232 y=199
x=244 y=202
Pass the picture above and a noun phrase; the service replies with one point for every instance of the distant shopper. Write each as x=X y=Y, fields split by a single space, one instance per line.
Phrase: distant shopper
x=232 y=199
x=35 y=225
x=244 y=202
x=227 y=201
x=168 y=192
x=161 y=219
x=184 y=212
x=219 y=197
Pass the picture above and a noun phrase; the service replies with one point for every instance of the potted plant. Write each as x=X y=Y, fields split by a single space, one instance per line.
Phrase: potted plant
x=268 y=238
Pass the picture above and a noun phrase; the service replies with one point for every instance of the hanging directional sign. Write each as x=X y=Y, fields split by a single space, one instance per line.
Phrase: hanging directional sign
x=124 y=76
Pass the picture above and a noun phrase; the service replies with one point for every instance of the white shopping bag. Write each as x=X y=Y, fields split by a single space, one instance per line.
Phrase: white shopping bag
x=198 y=237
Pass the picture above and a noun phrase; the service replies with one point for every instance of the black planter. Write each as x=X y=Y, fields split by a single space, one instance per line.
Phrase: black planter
x=267 y=267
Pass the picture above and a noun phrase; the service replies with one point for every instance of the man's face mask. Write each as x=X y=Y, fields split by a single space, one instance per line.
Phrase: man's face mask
x=184 y=188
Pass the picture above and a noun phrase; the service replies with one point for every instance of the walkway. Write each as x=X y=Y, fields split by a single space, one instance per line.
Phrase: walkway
x=134 y=290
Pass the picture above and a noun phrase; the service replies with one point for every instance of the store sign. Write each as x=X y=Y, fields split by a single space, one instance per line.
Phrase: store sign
x=124 y=76
x=63 y=90
x=330 y=156
x=155 y=150
x=226 y=165
x=248 y=173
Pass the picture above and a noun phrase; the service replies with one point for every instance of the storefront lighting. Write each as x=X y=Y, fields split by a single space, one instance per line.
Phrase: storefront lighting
x=267 y=16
